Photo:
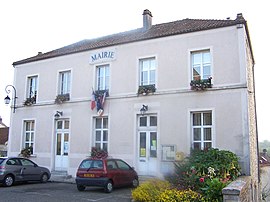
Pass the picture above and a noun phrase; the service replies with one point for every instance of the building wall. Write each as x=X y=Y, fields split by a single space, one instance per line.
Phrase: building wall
x=172 y=102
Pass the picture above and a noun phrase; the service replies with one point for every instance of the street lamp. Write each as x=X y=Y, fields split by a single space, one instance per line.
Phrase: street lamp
x=7 y=99
x=144 y=109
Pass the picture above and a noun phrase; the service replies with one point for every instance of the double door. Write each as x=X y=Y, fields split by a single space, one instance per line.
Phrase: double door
x=62 y=145
x=147 y=145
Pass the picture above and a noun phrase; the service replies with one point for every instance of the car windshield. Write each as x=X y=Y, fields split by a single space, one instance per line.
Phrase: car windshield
x=89 y=163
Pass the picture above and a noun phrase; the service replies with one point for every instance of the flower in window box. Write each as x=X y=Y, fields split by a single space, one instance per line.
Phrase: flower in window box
x=29 y=101
x=98 y=153
x=201 y=84
x=61 y=98
x=26 y=152
x=100 y=93
x=146 y=89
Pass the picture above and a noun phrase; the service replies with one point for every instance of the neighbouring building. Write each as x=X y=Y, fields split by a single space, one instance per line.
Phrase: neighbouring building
x=3 y=138
x=159 y=91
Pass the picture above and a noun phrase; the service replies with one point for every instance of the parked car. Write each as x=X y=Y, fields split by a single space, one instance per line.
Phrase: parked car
x=17 y=169
x=107 y=173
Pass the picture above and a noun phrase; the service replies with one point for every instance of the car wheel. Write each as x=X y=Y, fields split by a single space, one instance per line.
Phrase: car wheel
x=108 y=187
x=80 y=187
x=44 y=178
x=8 y=181
x=135 y=183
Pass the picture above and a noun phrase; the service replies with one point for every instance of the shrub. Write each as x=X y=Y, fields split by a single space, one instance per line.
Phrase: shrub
x=207 y=172
x=150 y=190
x=174 y=195
x=224 y=162
x=213 y=189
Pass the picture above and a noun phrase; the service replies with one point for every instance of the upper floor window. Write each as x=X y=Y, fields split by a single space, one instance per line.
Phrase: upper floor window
x=202 y=133
x=103 y=76
x=147 y=71
x=32 y=87
x=29 y=134
x=64 y=82
x=201 y=65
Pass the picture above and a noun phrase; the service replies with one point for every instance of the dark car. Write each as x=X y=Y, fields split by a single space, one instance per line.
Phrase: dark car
x=106 y=173
x=17 y=169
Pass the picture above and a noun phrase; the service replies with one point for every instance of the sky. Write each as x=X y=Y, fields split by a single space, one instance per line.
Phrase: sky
x=32 y=26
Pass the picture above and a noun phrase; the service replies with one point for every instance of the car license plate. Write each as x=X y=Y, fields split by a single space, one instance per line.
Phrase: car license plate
x=88 y=175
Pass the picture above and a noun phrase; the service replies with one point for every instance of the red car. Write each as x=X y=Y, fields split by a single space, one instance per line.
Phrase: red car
x=106 y=173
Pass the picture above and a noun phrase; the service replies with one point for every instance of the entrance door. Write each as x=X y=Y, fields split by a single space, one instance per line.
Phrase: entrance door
x=62 y=145
x=147 y=138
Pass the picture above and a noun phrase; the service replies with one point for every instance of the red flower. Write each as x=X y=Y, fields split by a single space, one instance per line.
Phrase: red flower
x=201 y=179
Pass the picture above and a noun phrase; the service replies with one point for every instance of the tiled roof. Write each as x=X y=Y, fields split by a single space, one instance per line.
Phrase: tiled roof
x=156 y=31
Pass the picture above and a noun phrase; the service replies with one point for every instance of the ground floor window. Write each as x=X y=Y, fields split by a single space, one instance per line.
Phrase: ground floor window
x=29 y=134
x=101 y=133
x=202 y=130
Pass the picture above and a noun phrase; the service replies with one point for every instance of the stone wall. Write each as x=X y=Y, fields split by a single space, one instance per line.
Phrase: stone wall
x=240 y=190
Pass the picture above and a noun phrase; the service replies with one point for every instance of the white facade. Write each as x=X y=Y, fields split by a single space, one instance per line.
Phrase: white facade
x=167 y=130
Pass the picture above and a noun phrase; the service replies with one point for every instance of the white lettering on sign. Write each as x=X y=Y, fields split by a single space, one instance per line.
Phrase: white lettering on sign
x=102 y=56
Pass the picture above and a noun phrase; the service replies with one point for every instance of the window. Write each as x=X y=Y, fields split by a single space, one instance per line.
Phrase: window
x=201 y=65
x=26 y=162
x=32 y=87
x=147 y=71
x=103 y=76
x=122 y=165
x=29 y=133
x=14 y=162
x=111 y=164
x=64 y=82
x=202 y=130
x=101 y=133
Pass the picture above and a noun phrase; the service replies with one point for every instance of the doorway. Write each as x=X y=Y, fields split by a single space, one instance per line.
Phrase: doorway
x=62 y=145
x=147 y=145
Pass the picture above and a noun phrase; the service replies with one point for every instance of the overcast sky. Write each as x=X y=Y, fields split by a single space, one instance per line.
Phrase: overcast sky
x=32 y=26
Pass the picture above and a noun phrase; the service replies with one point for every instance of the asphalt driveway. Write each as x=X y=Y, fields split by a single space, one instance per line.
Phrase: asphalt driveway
x=60 y=192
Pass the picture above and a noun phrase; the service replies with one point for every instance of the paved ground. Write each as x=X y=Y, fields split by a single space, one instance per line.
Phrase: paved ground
x=265 y=178
x=60 y=192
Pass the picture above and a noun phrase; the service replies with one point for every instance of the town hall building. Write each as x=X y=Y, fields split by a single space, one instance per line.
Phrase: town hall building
x=148 y=96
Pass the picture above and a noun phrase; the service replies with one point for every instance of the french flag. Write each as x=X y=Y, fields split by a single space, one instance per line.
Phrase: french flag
x=93 y=101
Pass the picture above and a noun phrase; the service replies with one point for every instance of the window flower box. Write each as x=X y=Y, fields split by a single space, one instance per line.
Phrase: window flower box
x=100 y=93
x=145 y=90
x=26 y=152
x=62 y=98
x=201 y=84
x=98 y=153
x=29 y=101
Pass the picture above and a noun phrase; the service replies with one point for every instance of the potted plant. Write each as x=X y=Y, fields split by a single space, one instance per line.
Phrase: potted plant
x=98 y=153
x=201 y=84
x=29 y=101
x=146 y=89
x=26 y=152
x=62 y=98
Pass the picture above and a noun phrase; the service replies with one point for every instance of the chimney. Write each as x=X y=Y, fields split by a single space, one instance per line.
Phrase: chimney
x=147 y=19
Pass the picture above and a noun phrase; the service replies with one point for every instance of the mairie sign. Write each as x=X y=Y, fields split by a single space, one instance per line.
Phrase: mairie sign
x=102 y=56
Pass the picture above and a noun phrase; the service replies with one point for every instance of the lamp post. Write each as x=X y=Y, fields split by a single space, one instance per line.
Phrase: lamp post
x=7 y=99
